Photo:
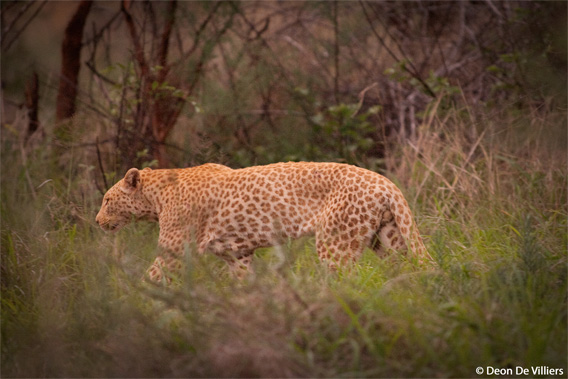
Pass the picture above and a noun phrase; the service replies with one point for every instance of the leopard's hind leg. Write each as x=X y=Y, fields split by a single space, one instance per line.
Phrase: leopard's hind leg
x=340 y=238
x=239 y=262
x=388 y=236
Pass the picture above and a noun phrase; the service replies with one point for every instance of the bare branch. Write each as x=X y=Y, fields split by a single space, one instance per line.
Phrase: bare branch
x=165 y=39
x=138 y=50
x=7 y=44
x=336 y=52
x=413 y=72
x=201 y=29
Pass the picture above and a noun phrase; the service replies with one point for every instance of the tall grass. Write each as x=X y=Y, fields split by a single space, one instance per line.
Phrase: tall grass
x=493 y=210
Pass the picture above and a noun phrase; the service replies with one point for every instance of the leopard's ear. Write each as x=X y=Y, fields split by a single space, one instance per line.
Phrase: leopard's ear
x=131 y=181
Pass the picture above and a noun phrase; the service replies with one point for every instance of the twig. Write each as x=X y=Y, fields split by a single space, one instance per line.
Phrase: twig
x=201 y=29
x=101 y=164
x=99 y=75
x=98 y=35
x=362 y=97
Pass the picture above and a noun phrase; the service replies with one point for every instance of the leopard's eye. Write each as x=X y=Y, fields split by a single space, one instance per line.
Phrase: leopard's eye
x=107 y=201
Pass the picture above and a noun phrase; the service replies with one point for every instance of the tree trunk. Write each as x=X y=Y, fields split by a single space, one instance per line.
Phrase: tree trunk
x=32 y=104
x=71 y=62
x=162 y=111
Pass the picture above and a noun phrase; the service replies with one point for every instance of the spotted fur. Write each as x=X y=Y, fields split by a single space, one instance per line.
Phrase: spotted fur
x=232 y=212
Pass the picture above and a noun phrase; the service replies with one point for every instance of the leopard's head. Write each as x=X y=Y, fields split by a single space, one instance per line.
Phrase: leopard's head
x=123 y=202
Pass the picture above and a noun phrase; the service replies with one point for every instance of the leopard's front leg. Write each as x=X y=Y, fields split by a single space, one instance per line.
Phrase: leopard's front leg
x=164 y=267
x=170 y=261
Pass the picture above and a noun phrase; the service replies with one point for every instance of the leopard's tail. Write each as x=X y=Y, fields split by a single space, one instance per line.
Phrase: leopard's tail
x=408 y=229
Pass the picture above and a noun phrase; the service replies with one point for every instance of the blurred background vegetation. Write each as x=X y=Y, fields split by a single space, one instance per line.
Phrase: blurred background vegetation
x=462 y=104
x=177 y=84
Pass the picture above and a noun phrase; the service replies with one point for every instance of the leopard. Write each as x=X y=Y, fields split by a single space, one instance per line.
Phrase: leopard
x=232 y=212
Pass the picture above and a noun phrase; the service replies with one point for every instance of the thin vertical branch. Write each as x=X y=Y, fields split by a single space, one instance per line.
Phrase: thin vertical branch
x=165 y=38
x=336 y=53
x=138 y=50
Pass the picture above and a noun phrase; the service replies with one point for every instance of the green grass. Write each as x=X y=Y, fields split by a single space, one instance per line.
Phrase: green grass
x=73 y=304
